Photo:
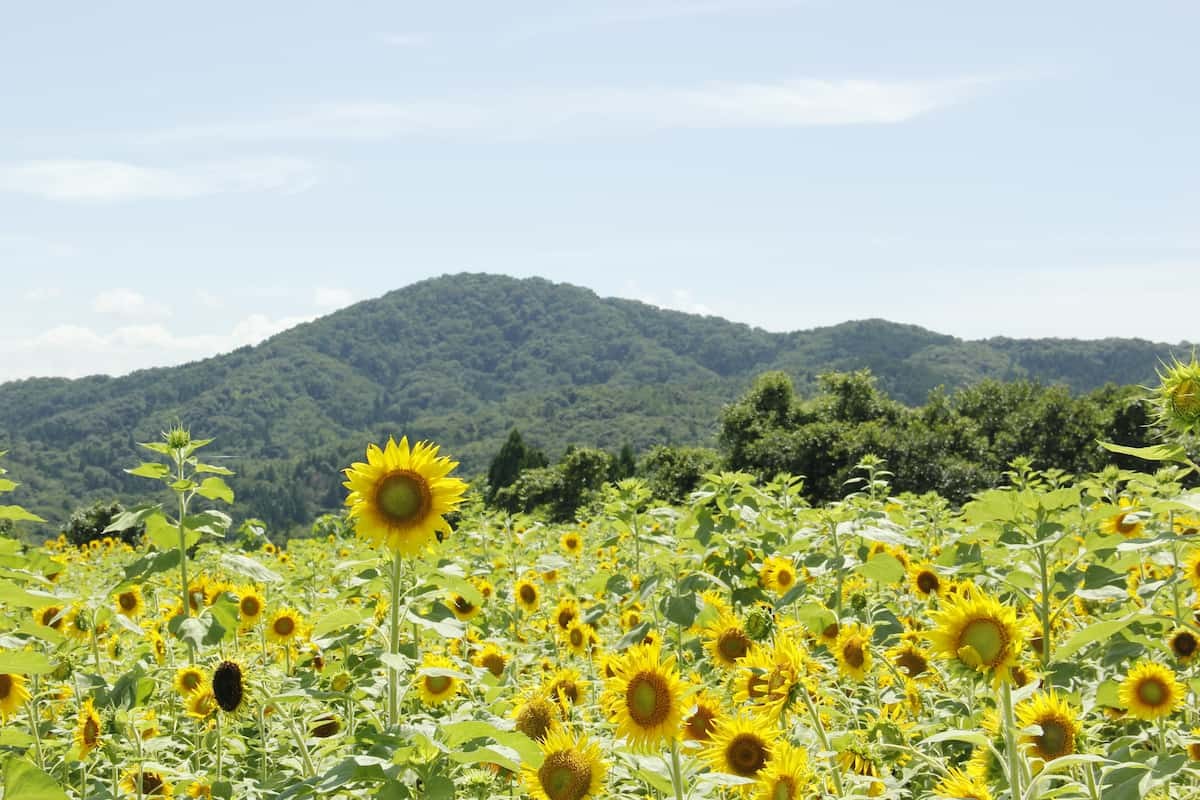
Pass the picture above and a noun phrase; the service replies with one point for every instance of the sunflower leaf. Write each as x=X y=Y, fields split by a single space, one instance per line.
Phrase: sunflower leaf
x=24 y=781
x=25 y=662
x=215 y=489
x=244 y=565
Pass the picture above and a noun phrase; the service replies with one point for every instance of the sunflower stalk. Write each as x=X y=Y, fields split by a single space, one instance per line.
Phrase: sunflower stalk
x=676 y=770
x=1010 y=741
x=394 y=645
x=823 y=739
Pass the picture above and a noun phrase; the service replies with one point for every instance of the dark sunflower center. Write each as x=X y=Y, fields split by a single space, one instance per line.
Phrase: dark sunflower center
x=927 y=582
x=438 y=684
x=569 y=690
x=1152 y=692
x=463 y=605
x=48 y=617
x=403 y=497
x=831 y=630
x=572 y=543
x=534 y=721
x=91 y=732
x=251 y=606
x=152 y=783
x=986 y=637
x=576 y=637
x=912 y=662
x=227 y=685
x=854 y=655
x=128 y=601
x=325 y=727
x=285 y=625
x=565 y=775
x=565 y=617
x=746 y=754
x=1125 y=524
x=528 y=594
x=1055 y=740
x=6 y=684
x=648 y=699
x=494 y=664
x=733 y=644
x=1184 y=644
x=190 y=680
x=700 y=724
x=784 y=578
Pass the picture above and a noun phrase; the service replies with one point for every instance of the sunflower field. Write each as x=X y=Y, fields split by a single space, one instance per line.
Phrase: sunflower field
x=1041 y=641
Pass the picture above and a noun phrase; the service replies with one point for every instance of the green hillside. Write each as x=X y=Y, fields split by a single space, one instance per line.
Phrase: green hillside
x=461 y=359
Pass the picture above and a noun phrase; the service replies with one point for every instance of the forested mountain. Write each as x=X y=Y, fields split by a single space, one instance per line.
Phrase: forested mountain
x=461 y=359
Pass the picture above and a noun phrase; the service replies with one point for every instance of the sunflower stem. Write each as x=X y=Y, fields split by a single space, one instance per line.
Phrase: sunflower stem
x=309 y=772
x=217 y=716
x=1010 y=741
x=394 y=645
x=31 y=709
x=823 y=739
x=676 y=770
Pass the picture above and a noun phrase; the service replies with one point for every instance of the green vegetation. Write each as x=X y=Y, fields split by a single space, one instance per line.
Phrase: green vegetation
x=464 y=359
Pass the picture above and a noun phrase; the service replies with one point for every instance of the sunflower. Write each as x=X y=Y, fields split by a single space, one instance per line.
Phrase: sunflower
x=741 y=746
x=1150 y=691
x=571 y=543
x=571 y=769
x=491 y=658
x=250 y=605
x=1184 y=645
x=1058 y=721
x=188 y=680
x=527 y=595
x=201 y=703
x=565 y=686
x=284 y=625
x=786 y=777
x=1191 y=569
x=961 y=786
x=1177 y=399
x=129 y=603
x=145 y=783
x=77 y=623
x=646 y=699
x=400 y=496
x=699 y=723
x=565 y=612
x=1193 y=745
x=324 y=726
x=580 y=637
x=727 y=641
x=777 y=574
x=227 y=686
x=158 y=646
x=437 y=680
x=462 y=608
x=535 y=717
x=1127 y=521
x=631 y=618
x=924 y=579
x=979 y=633
x=853 y=651
x=910 y=659
x=766 y=678
x=50 y=616
x=87 y=730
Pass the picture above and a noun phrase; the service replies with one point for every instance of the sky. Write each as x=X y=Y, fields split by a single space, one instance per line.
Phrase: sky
x=179 y=181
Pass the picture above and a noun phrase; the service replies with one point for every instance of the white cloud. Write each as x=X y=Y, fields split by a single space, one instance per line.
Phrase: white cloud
x=404 y=39
x=74 y=350
x=99 y=180
x=606 y=111
x=127 y=303
x=331 y=298
x=678 y=300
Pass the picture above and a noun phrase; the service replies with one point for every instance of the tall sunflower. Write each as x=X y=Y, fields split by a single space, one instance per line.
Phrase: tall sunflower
x=741 y=746
x=1150 y=691
x=645 y=699
x=778 y=574
x=961 y=786
x=400 y=496
x=977 y=633
x=251 y=604
x=853 y=651
x=1058 y=721
x=571 y=768
x=129 y=602
x=437 y=680
x=87 y=729
x=527 y=595
x=284 y=625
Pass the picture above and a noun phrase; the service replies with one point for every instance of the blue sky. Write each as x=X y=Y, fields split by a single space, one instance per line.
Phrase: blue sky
x=176 y=182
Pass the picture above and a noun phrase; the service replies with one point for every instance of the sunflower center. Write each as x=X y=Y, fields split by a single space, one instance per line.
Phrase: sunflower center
x=284 y=626
x=746 y=754
x=493 y=663
x=830 y=631
x=438 y=684
x=250 y=606
x=648 y=699
x=463 y=605
x=733 y=644
x=784 y=789
x=853 y=653
x=576 y=637
x=1184 y=644
x=127 y=601
x=784 y=578
x=700 y=724
x=927 y=582
x=534 y=721
x=565 y=616
x=986 y=637
x=48 y=618
x=565 y=775
x=528 y=594
x=91 y=732
x=1124 y=524
x=190 y=680
x=6 y=683
x=152 y=783
x=1055 y=740
x=1152 y=692
x=404 y=497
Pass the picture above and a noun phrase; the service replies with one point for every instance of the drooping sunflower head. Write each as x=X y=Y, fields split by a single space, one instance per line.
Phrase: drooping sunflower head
x=50 y=616
x=1127 y=521
x=438 y=681
x=1150 y=691
x=571 y=769
x=741 y=746
x=701 y=720
x=1058 y=721
x=910 y=660
x=462 y=608
x=324 y=726
x=400 y=496
x=145 y=783
x=566 y=686
x=1177 y=397
x=1191 y=569
x=13 y=694
x=646 y=698
x=977 y=633
x=201 y=703
x=87 y=730
x=535 y=717
x=227 y=686
x=853 y=651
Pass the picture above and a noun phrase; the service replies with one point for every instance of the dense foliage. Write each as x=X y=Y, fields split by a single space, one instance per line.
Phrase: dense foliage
x=463 y=359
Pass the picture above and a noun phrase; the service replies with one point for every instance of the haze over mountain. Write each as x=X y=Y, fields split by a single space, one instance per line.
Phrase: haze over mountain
x=461 y=359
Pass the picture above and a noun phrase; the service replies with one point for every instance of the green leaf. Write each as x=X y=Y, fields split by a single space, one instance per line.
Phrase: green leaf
x=341 y=618
x=14 y=595
x=215 y=489
x=635 y=636
x=244 y=565
x=24 y=662
x=1157 y=452
x=152 y=564
x=1127 y=782
x=457 y=584
x=1092 y=633
x=150 y=469
x=449 y=628
x=883 y=568
x=439 y=787
x=130 y=518
x=682 y=610
x=12 y=737
x=18 y=514
x=24 y=781
x=212 y=469
x=161 y=533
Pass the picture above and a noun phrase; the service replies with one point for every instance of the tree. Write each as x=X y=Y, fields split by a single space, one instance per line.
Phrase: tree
x=514 y=457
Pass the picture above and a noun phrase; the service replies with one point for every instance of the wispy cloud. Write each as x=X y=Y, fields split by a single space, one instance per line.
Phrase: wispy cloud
x=605 y=111
x=99 y=180
x=328 y=298
x=127 y=303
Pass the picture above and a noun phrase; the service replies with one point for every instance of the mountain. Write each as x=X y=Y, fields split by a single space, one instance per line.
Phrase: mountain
x=461 y=359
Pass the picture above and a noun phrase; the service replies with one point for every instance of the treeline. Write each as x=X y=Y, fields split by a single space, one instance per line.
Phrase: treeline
x=954 y=444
